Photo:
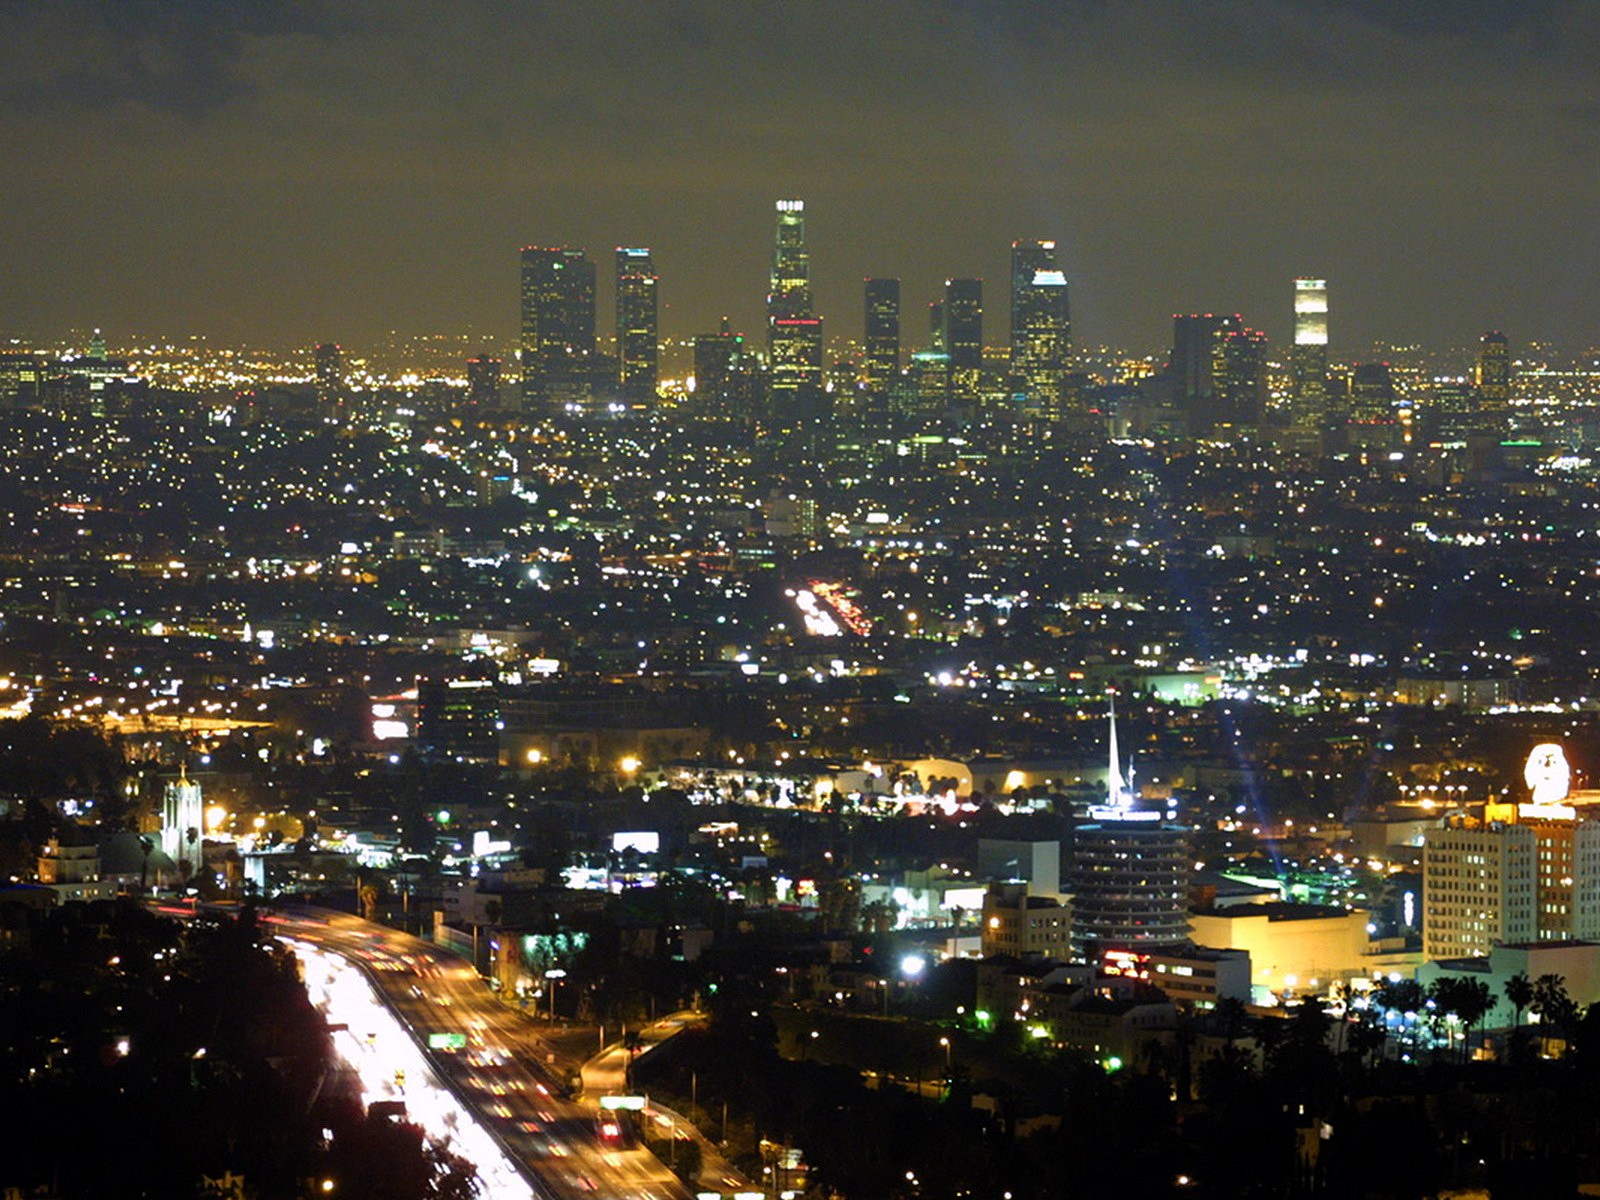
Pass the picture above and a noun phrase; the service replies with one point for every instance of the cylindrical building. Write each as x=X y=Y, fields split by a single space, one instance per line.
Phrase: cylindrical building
x=1129 y=883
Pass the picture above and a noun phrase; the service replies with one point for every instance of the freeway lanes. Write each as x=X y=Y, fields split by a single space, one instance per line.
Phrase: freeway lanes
x=502 y=1096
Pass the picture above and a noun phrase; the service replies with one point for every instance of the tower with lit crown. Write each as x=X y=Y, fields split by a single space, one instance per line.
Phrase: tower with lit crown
x=1308 y=360
x=1041 y=322
x=794 y=331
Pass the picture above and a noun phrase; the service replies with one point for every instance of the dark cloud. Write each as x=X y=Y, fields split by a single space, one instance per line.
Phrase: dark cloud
x=180 y=56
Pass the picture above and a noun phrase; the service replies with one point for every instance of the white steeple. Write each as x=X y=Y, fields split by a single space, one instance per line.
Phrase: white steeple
x=1116 y=787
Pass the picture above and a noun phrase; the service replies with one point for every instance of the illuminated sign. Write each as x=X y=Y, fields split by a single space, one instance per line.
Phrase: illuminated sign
x=644 y=842
x=1547 y=812
x=1103 y=812
x=630 y=1103
x=447 y=1041
x=1126 y=963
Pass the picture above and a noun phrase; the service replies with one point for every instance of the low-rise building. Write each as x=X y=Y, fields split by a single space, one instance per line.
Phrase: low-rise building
x=1299 y=948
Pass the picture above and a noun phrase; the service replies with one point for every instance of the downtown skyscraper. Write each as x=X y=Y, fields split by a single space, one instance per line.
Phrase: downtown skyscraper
x=882 y=329
x=1308 y=360
x=1041 y=322
x=1493 y=377
x=558 y=319
x=638 y=346
x=794 y=331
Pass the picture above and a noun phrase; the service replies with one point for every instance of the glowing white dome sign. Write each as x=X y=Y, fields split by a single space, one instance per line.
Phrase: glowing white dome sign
x=1547 y=774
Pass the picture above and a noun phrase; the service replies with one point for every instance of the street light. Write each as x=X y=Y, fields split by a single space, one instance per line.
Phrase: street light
x=555 y=975
x=945 y=1042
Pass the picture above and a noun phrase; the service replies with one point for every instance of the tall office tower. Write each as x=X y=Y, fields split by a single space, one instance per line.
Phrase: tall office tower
x=1041 y=322
x=1308 y=360
x=794 y=331
x=1238 y=376
x=722 y=379
x=557 y=319
x=638 y=349
x=1189 y=369
x=483 y=381
x=1372 y=394
x=1129 y=876
x=328 y=367
x=882 y=333
x=963 y=324
x=1494 y=375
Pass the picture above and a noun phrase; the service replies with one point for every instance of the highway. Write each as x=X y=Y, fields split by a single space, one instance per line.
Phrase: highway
x=485 y=1089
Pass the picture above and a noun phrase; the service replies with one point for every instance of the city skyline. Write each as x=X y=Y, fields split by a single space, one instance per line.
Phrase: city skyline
x=256 y=172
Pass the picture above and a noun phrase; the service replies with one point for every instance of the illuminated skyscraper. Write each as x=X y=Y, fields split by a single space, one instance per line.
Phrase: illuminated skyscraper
x=1494 y=376
x=882 y=333
x=638 y=347
x=1041 y=321
x=328 y=365
x=557 y=318
x=963 y=324
x=794 y=331
x=1238 y=375
x=1308 y=360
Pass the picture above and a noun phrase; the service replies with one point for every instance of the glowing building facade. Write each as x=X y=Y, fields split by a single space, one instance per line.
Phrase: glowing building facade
x=183 y=824
x=1308 y=360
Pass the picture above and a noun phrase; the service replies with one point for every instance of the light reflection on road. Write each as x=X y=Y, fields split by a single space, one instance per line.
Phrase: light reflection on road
x=392 y=1067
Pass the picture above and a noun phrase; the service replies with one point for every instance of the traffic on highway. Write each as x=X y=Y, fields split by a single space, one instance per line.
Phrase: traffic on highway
x=428 y=1040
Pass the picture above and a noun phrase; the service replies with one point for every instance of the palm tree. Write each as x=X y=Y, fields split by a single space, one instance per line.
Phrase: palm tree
x=1556 y=1010
x=1519 y=991
x=1473 y=1000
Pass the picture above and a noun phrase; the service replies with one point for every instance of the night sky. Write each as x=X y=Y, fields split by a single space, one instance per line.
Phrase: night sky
x=292 y=172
